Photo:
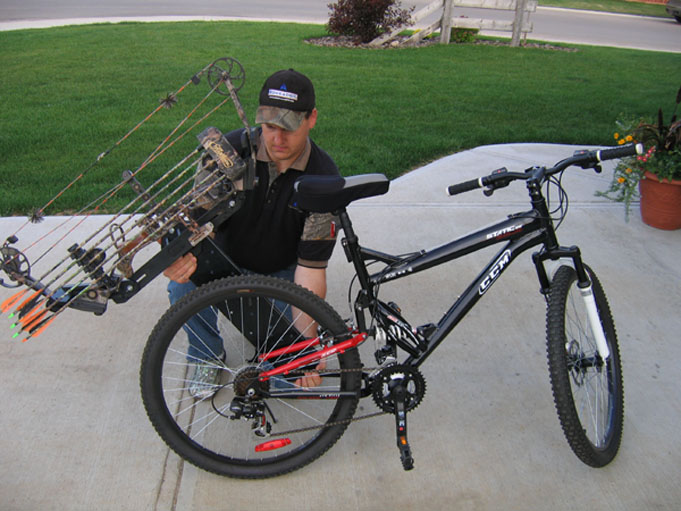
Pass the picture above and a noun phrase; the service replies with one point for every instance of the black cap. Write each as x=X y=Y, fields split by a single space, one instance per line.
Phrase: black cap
x=288 y=89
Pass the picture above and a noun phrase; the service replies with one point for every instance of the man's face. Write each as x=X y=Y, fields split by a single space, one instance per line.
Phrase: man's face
x=285 y=146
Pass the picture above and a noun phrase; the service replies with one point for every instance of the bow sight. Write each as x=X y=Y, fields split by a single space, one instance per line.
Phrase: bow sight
x=174 y=213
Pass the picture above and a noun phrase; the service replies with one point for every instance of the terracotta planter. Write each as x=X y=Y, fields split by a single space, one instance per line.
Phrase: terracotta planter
x=660 y=202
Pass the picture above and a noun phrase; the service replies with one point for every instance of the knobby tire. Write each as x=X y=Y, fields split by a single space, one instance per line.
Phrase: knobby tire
x=201 y=430
x=588 y=392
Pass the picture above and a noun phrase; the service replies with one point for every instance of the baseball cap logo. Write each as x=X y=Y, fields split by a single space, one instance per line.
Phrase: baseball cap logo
x=282 y=94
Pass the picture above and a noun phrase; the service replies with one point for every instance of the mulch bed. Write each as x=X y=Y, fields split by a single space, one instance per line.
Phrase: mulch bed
x=349 y=42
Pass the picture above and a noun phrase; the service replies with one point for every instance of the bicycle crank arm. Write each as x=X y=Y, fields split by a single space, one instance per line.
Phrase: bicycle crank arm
x=398 y=394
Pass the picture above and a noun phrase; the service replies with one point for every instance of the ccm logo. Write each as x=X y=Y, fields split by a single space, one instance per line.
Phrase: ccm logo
x=496 y=270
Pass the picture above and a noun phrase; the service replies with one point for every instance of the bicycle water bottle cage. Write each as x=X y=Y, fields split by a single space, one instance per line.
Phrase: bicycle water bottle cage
x=327 y=194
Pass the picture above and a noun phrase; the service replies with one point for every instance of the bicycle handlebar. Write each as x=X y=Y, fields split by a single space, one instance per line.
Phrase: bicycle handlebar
x=585 y=159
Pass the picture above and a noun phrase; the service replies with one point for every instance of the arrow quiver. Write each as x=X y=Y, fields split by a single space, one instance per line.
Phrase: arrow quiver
x=180 y=208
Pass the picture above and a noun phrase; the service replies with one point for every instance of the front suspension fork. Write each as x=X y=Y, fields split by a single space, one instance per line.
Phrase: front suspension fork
x=585 y=287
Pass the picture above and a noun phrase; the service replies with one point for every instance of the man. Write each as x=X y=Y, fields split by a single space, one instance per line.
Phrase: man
x=266 y=235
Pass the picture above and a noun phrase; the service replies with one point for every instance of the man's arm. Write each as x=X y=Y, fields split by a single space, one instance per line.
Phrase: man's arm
x=313 y=279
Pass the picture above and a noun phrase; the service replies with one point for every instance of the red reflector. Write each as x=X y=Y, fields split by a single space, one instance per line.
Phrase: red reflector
x=273 y=444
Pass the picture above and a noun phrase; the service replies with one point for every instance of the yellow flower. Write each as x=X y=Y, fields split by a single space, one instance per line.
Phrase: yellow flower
x=617 y=135
x=621 y=141
x=621 y=180
x=628 y=171
x=629 y=138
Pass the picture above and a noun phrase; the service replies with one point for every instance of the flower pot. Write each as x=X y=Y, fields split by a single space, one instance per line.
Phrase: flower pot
x=660 y=202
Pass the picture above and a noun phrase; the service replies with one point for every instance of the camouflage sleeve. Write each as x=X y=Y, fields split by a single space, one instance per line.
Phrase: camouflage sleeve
x=317 y=241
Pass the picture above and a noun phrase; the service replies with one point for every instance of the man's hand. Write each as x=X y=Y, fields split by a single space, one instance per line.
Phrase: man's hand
x=182 y=269
x=311 y=378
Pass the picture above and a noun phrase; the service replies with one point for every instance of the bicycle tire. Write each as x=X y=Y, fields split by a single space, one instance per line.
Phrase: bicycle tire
x=200 y=431
x=588 y=392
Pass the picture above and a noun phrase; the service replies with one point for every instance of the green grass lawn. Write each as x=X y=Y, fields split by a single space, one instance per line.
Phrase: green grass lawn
x=69 y=93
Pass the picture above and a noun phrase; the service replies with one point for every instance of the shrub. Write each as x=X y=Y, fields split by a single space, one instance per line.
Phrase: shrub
x=366 y=19
x=463 y=35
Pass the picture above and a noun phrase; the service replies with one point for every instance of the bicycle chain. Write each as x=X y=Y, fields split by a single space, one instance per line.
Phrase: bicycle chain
x=329 y=424
x=341 y=422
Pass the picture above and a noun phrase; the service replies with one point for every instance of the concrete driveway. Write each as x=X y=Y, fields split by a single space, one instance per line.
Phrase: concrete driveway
x=486 y=437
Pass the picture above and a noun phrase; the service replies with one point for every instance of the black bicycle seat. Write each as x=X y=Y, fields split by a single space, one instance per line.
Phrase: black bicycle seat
x=328 y=194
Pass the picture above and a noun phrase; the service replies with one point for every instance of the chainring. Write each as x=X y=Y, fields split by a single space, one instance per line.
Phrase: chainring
x=383 y=382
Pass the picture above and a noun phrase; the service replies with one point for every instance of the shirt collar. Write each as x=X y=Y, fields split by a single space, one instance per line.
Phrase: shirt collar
x=299 y=164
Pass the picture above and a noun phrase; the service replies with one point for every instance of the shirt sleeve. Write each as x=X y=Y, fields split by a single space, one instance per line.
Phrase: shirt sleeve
x=317 y=241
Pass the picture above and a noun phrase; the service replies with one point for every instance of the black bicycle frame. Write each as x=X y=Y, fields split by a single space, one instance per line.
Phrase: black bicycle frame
x=520 y=232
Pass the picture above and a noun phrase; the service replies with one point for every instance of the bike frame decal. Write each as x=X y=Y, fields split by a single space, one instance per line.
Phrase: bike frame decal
x=499 y=266
x=299 y=346
x=341 y=347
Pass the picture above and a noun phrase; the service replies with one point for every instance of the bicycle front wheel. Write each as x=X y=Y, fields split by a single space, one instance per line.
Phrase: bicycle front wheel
x=240 y=424
x=587 y=390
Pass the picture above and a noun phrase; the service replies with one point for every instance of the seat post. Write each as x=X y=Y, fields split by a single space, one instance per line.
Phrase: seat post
x=352 y=249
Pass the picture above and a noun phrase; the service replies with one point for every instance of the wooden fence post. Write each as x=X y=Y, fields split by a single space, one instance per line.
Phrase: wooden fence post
x=446 y=24
x=518 y=21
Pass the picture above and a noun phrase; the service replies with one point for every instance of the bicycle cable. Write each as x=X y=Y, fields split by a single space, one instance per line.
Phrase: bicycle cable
x=563 y=199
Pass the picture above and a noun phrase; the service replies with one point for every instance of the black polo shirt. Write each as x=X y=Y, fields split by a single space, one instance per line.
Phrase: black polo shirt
x=266 y=234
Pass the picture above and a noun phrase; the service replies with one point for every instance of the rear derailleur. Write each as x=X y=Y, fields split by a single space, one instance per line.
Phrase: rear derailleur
x=248 y=403
x=398 y=389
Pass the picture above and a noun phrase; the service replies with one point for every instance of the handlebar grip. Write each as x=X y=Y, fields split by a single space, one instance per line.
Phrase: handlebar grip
x=466 y=186
x=620 y=152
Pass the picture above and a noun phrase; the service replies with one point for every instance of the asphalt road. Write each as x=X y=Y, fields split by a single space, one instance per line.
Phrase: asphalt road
x=556 y=25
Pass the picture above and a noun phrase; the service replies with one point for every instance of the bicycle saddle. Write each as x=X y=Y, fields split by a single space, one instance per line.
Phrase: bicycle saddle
x=328 y=194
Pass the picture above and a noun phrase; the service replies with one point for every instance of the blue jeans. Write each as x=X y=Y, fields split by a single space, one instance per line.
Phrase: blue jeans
x=205 y=342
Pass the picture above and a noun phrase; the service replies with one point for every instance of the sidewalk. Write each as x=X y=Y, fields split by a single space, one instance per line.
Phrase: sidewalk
x=486 y=436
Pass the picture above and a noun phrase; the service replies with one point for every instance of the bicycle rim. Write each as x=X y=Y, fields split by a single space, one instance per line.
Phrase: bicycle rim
x=223 y=431
x=587 y=390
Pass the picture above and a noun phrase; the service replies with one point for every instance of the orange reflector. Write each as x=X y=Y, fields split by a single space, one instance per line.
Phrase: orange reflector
x=273 y=444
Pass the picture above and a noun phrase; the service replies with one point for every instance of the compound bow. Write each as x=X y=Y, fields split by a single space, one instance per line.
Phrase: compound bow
x=181 y=208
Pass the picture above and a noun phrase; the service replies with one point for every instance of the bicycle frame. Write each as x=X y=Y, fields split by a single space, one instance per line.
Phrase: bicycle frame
x=520 y=232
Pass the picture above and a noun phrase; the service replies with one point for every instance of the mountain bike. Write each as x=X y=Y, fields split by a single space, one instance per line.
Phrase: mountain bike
x=263 y=418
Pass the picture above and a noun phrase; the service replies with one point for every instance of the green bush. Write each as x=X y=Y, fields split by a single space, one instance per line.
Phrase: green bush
x=463 y=35
x=366 y=19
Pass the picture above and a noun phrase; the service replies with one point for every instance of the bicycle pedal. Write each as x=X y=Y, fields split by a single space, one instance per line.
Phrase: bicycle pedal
x=405 y=454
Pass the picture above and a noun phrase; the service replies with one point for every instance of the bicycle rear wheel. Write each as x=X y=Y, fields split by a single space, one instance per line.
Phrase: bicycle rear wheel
x=248 y=427
x=587 y=390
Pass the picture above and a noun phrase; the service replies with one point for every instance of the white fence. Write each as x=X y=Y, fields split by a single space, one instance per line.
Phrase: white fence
x=520 y=24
